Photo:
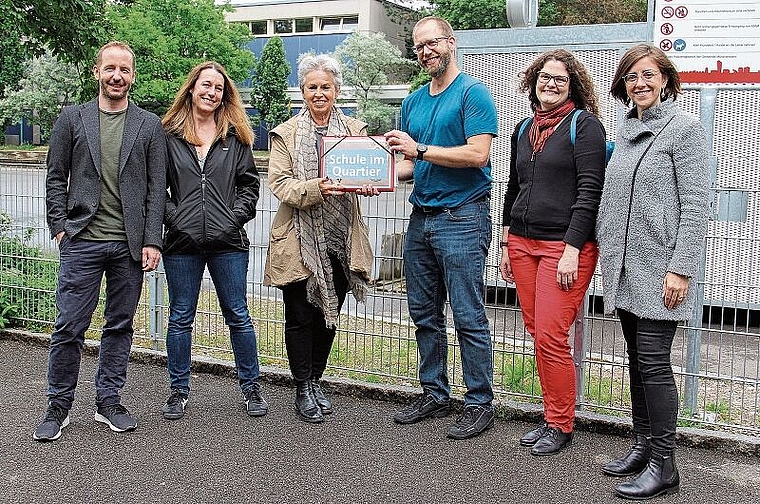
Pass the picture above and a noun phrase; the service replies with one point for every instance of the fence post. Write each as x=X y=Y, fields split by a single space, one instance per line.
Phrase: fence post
x=155 y=305
x=694 y=324
x=580 y=346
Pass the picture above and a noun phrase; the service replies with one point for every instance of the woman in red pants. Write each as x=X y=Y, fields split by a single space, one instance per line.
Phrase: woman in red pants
x=548 y=245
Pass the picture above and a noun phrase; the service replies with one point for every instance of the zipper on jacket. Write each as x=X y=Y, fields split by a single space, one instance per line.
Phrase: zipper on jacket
x=530 y=192
x=203 y=202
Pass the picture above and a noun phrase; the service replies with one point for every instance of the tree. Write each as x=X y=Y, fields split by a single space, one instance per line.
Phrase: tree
x=170 y=37
x=369 y=61
x=269 y=96
x=12 y=57
x=472 y=14
x=48 y=84
x=71 y=29
x=419 y=80
x=478 y=14
x=610 y=11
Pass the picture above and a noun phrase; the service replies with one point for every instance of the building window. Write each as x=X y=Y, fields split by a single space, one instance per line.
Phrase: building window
x=348 y=23
x=259 y=27
x=329 y=24
x=283 y=26
x=351 y=23
x=304 y=25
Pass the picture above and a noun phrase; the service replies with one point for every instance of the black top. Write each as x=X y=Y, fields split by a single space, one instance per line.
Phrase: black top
x=207 y=210
x=555 y=194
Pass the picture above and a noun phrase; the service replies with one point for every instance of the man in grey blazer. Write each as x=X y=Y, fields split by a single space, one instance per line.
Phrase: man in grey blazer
x=106 y=185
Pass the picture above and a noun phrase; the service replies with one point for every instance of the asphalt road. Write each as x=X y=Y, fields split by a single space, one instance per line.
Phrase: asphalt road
x=217 y=454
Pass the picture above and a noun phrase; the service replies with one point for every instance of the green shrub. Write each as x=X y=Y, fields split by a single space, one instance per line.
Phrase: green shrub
x=28 y=278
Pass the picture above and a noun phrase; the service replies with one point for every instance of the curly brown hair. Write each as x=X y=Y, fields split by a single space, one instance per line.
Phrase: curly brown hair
x=582 y=90
x=634 y=54
x=230 y=114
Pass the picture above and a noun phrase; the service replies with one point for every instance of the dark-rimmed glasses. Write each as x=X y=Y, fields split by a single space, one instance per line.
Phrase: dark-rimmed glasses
x=633 y=77
x=430 y=44
x=559 y=80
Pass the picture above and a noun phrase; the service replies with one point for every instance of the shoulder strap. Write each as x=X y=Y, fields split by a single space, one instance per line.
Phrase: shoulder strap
x=573 y=125
x=526 y=122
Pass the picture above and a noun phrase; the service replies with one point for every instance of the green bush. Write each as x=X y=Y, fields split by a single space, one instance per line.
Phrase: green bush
x=28 y=278
x=7 y=309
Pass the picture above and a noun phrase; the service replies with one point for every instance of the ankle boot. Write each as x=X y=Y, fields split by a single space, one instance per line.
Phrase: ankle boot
x=659 y=477
x=320 y=398
x=632 y=462
x=306 y=406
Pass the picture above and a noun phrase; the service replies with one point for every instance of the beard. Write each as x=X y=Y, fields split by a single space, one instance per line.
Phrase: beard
x=443 y=65
x=111 y=95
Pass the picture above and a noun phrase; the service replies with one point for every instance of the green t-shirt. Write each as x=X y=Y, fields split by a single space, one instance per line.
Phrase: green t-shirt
x=108 y=222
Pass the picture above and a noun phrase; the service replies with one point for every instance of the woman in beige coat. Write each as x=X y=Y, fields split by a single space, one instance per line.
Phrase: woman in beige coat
x=319 y=247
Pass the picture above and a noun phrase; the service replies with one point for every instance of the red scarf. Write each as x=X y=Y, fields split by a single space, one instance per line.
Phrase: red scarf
x=544 y=122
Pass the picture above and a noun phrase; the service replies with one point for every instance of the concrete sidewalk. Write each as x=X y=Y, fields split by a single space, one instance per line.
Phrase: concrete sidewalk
x=217 y=454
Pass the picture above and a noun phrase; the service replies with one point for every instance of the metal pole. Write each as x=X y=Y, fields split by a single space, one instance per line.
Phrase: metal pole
x=156 y=302
x=580 y=343
x=694 y=329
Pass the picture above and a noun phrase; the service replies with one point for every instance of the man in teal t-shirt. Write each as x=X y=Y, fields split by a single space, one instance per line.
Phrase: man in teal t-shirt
x=446 y=131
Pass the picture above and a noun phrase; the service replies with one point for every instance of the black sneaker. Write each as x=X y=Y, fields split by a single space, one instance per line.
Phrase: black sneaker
x=424 y=406
x=255 y=403
x=116 y=417
x=473 y=421
x=174 y=408
x=55 y=419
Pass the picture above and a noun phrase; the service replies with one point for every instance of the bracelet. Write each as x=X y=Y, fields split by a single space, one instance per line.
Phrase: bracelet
x=504 y=244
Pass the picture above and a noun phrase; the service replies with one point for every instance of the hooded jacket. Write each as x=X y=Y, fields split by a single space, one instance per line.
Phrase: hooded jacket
x=206 y=211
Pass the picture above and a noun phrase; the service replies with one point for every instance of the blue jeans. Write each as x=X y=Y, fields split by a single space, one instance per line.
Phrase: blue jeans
x=184 y=273
x=83 y=263
x=445 y=251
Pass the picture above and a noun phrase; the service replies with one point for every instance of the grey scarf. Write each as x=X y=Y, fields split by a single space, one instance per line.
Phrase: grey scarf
x=324 y=228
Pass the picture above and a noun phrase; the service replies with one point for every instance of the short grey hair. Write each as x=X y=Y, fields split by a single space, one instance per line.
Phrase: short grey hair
x=310 y=62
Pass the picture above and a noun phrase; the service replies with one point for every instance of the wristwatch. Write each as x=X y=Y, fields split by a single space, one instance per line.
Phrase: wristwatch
x=421 y=150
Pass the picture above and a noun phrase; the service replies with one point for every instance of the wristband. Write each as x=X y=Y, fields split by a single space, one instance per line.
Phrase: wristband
x=504 y=244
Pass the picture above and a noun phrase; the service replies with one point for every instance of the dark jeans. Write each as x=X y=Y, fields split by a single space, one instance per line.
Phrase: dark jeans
x=307 y=339
x=229 y=271
x=654 y=397
x=83 y=263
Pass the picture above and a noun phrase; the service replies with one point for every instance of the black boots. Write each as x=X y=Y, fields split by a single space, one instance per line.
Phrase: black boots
x=306 y=406
x=659 y=477
x=322 y=401
x=632 y=462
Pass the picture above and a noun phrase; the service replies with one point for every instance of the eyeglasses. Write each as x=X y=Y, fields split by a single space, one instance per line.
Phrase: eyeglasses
x=430 y=44
x=633 y=77
x=559 y=80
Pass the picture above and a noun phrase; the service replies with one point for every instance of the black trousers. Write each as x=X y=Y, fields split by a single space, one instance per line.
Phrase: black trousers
x=307 y=339
x=654 y=397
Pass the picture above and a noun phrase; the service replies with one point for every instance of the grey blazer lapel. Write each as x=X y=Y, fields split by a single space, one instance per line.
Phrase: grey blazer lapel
x=91 y=120
x=131 y=129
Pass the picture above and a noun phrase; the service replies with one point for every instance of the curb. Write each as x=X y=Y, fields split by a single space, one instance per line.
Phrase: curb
x=506 y=409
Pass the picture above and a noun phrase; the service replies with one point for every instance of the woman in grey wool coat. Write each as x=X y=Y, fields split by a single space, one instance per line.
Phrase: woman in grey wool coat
x=651 y=223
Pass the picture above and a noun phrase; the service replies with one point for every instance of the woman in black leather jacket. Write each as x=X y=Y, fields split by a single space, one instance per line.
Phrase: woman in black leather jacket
x=213 y=190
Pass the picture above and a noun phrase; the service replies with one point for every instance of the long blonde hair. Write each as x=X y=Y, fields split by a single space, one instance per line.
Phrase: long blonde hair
x=230 y=113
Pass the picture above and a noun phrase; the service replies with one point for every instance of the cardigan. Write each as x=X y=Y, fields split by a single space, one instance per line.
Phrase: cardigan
x=554 y=194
